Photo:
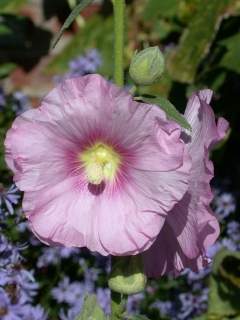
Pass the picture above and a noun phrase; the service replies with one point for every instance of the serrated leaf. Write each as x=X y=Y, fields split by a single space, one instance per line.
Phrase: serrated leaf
x=231 y=59
x=171 y=112
x=196 y=40
x=75 y=12
x=91 y=310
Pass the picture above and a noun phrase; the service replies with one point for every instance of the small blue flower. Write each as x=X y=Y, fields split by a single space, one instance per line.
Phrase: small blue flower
x=82 y=65
x=30 y=312
x=8 y=310
x=9 y=254
x=224 y=204
x=89 y=63
x=166 y=308
x=20 y=102
x=133 y=302
x=71 y=292
x=192 y=304
x=71 y=313
x=8 y=198
x=233 y=231
x=53 y=255
x=103 y=298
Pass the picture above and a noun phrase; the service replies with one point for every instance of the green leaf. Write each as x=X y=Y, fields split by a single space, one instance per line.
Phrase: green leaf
x=4 y=30
x=160 y=8
x=225 y=285
x=91 y=310
x=231 y=59
x=195 y=42
x=168 y=107
x=6 y=68
x=162 y=28
x=82 y=5
x=202 y=317
x=10 y=6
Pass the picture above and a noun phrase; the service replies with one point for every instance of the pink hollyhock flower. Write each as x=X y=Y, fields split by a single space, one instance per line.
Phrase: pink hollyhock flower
x=99 y=170
x=190 y=227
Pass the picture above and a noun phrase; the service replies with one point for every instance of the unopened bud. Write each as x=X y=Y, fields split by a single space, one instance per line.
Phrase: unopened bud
x=147 y=66
x=127 y=276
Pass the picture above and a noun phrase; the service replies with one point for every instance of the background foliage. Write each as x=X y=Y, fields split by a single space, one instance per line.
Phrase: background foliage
x=201 y=43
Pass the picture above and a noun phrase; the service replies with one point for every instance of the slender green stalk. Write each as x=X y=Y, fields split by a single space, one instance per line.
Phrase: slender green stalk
x=118 y=305
x=119 y=19
x=79 y=19
x=118 y=300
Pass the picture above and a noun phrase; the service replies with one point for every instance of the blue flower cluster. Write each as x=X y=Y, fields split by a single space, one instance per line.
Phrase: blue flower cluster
x=17 y=286
x=17 y=102
x=26 y=265
x=88 y=63
x=8 y=199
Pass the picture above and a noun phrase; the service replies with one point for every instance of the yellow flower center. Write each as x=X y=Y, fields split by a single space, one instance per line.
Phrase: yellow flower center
x=100 y=162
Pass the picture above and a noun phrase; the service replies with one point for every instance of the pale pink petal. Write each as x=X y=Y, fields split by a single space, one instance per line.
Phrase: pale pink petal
x=43 y=149
x=205 y=133
x=191 y=227
x=165 y=256
x=110 y=225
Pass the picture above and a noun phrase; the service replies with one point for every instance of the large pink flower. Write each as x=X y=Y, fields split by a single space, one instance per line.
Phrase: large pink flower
x=190 y=228
x=98 y=169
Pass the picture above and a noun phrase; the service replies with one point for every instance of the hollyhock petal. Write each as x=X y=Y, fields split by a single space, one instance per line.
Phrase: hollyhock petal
x=165 y=256
x=205 y=134
x=190 y=228
x=83 y=219
x=134 y=216
x=114 y=202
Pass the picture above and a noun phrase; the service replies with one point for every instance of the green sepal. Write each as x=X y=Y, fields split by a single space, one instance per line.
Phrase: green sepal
x=147 y=66
x=91 y=309
x=75 y=12
x=171 y=112
x=127 y=276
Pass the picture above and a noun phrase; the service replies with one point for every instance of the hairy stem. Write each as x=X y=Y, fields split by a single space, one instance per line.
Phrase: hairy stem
x=118 y=301
x=119 y=18
x=118 y=304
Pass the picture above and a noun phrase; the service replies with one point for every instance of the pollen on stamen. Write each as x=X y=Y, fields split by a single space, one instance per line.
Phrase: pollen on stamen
x=100 y=163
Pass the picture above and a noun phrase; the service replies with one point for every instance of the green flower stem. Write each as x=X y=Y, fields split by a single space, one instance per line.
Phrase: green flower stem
x=118 y=305
x=118 y=300
x=119 y=18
